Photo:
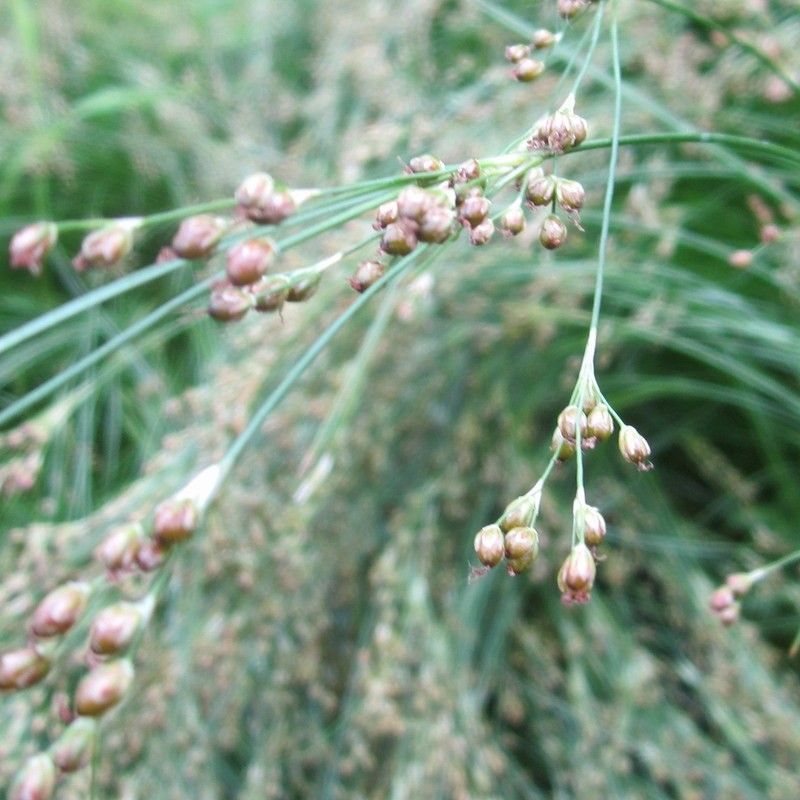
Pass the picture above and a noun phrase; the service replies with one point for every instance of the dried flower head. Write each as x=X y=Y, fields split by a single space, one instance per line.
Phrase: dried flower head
x=543 y=38
x=198 y=236
x=519 y=512
x=634 y=448
x=386 y=215
x=560 y=131
x=60 y=609
x=516 y=52
x=563 y=448
x=114 y=628
x=540 y=189
x=522 y=548
x=103 y=687
x=105 y=247
x=553 y=232
x=413 y=203
x=571 y=8
x=228 y=303
x=366 y=274
x=570 y=195
x=490 y=545
x=527 y=70
x=576 y=576
x=117 y=552
x=482 y=232
x=600 y=425
x=175 y=520
x=436 y=226
x=569 y=420
x=474 y=209
x=594 y=526
x=246 y=262
x=262 y=201
x=513 y=221
x=425 y=163
x=22 y=668
x=469 y=170
x=399 y=238
x=30 y=245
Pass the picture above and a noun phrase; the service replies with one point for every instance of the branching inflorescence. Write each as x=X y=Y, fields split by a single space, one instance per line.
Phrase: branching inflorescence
x=425 y=208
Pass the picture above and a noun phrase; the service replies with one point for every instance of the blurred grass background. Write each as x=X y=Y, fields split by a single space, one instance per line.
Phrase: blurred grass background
x=321 y=639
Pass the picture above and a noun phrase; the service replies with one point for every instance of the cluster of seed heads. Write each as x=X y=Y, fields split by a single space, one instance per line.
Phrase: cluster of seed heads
x=725 y=600
x=568 y=9
x=525 y=68
x=111 y=638
x=559 y=131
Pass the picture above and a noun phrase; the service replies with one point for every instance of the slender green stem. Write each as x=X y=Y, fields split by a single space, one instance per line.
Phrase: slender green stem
x=598 y=24
x=768 y=569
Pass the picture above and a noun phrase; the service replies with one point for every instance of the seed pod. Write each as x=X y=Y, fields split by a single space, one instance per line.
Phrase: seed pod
x=229 y=303
x=482 y=233
x=577 y=574
x=103 y=687
x=413 y=203
x=474 y=209
x=560 y=131
x=469 y=170
x=600 y=425
x=425 y=163
x=723 y=605
x=175 y=520
x=386 y=215
x=113 y=628
x=150 y=555
x=270 y=293
x=770 y=233
x=527 y=70
x=540 y=190
x=516 y=52
x=570 y=195
x=543 y=38
x=741 y=259
x=254 y=189
x=60 y=610
x=30 y=245
x=262 y=201
x=522 y=548
x=553 y=232
x=105 y=247
x=303 y=287
x=513 y=221
x=366 y=274
x=634 y=448
x=198 y=236
x=568 y=9
x=73 y=749
x=399 y=238
x=563 y=448
x=246 y=262
x=490 y=545
x=36 y=780
x=740 y=583
x=519 y=513
x=568 y=421
x=22 y=668
x=117 y=552
x=594 y=530
x=436 y=226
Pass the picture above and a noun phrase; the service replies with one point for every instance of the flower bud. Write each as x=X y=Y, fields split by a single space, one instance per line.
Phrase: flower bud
x=469 y=170
x=723 y=605
x=117 y=552
x=594 y=526
x=770 y=233
x=560 y=131
x=73 y=749
x=513 y=221
x=60 y=609
x=175 y=520
x=634 y=448
x=490 y=545
x=386 y=215
x=105 y=247
x=568 y=421
x=570 y=195
x=262 y=201
x=516 y=52
x=600 y=425
x=198 y=236
x=436 y=226
x=246 y=262
x=399 y=238
x=482 y=232
x=36 y=780
x=425 y=163
x=571 y=8
x=741 y=259
x=519 y=513
x=563 y=448
x=103 y=687
x=576 y=576
x=740 y=583
x=113 y=628
x=304 y=287
x=413 y=203
x=150 y=555
x=527 y=70
x=522 y=548
x=22 y=668
x=270 y=293
x=553 y=232
x=30 y=245
x=228 y=303
x=366 y=274
x=543 y=38
x=474 y=209
x=540 y=189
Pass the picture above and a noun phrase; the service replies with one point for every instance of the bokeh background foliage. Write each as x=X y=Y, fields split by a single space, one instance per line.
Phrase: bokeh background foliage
x=320 y=638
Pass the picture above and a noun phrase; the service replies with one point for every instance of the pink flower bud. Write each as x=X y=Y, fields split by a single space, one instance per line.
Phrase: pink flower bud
x=634 y=448
x=399 y=238
x=489 y=545
x=469 y=170
x=721 y=598
x=22 y=668
x=248 y=261
x=175 y=520
x=519 y=513
x=540 y=189
x=228 y=303
x=262 y=201
x=570 y=195
x=198 y=236
x=113 y=628
x=571 y=8
x=577 y=574
x=543 y=38
x=594 y=531
x=522 y=548
x=36 y=780
x=104 y=247
x=366 y=274
x=516 y=52
x=740 y=583
x=482 y=232
x=413 y=203
x=436 y=226
x=73 y=749
x=569 y=420
x=103 y=687
x=386 y=215
x=553 y=232
x=117 y=552
x=30 y=245
x=527 y=70
x=150 y=555
x=425 y=163
x=474 y=209
x=600 y=425
x=560 y=131
x=60 y=610
x=512 y=222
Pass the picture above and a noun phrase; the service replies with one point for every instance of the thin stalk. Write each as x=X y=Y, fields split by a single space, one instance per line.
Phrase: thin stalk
x=598 y=24
x=768 y=569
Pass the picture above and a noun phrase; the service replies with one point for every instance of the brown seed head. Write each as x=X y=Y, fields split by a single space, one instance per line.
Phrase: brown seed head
x=519 y=513
x=22 y=668
x=634 y=448
x=540 y=189
x=576 y=576
x=568 y=421
x=229 y=303
x=482 y=233
x=516 y=52
x=568 y=9
x=553 y=232
x=489 y=545
x=600 y=425
x=425 y=163
x=60 y=609
x=563 y=448
x=570 y=195
x=303 y=287
x=366 y=274
x=386 y=215
x=198 y=236
x=543 y=38
x=117 y=552
x=436 y=226
x=469 y=170
x=246 y=262
x=594 y=531
x=113 y=628
x=30 y=245
x=150 y=555
x=413 y=203
x=36 y=780
x=513 y=221
x=103 y=687
x=560 y=131
x=105 y=247
x=270 y=293
x=261 y=201
x=73 y=749
x=175 y=521
x=474 y=209
x=527 y=70
x=522 y=548
x=399 y=238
